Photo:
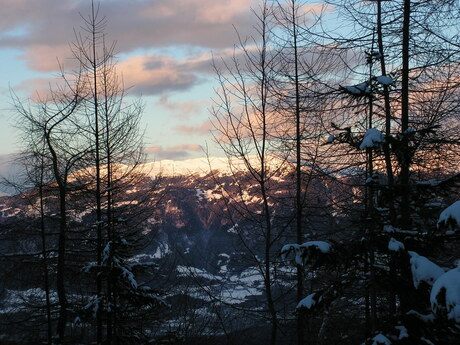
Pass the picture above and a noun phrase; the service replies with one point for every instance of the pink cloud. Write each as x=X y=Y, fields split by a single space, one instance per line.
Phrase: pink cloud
x=203 y=128
x=155 y=74
x=188 y=147
x=142 y=74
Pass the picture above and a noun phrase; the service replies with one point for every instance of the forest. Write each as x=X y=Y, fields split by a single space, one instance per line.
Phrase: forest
x=332 y=217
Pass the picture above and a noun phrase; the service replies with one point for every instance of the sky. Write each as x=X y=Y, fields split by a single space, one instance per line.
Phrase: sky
x=164 y=50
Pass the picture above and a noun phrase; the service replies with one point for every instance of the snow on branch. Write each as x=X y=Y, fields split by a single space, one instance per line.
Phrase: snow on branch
x=306 y=251
x=385 y=80
x=310 y=301
x=380 y=339
x=395 y=246
x=445 y=295
x=358 y=90
x=423 y=270
x=451 y=215
x=372 y=138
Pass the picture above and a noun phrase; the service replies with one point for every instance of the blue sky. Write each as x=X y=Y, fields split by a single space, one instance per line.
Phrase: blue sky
x=165 y=52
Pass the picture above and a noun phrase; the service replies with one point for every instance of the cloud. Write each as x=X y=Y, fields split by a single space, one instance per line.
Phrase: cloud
x=42 y=28
x=203 y=128
x=156 y=74
x=144 y=75
x=43 y=31
x=173 y=152
x=182 y=110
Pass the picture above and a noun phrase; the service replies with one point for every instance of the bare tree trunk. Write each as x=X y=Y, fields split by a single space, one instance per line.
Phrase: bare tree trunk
x=97 y=164
x=405 y=154
x=264 y=84
x=60 y=279
x=110 y=226
x=298 y=197
x=61 y=267
x=45 y=255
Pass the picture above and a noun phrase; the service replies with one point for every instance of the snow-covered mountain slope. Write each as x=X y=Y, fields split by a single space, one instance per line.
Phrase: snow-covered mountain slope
x=203 y=166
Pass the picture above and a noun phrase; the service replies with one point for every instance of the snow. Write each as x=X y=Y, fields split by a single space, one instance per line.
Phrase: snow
x=199 y=194
x=299 y=249
x=233 y=229
x=426 y=341
x=358 y=89
x=451 y=213
x=433 y=182
x=106 y=251
x=445 y=295
x=425 y=318
x=161 y=251
x=204 y=166
x=403 y=333
x=389 y=228
x=423 y=269
x=372 y=138
x=322 y=246
x=380 y=339
x=385 y=80
x=395 y=246
x=309 y=302
x=239 y=294
x=237 y=289
x=433 y=204
x=128 y=275
x=185 y=271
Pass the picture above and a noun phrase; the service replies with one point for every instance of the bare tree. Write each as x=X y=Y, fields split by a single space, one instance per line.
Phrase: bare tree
x=49 y=136
x=244 y=119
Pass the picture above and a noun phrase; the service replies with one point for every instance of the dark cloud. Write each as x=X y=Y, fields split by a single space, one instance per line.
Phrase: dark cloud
x=44 y=27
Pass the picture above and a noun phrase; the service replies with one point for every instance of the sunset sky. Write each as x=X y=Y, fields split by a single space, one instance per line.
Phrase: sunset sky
x=164 y=50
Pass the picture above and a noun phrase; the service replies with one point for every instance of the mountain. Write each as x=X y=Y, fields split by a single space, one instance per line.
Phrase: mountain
x=203 y=233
